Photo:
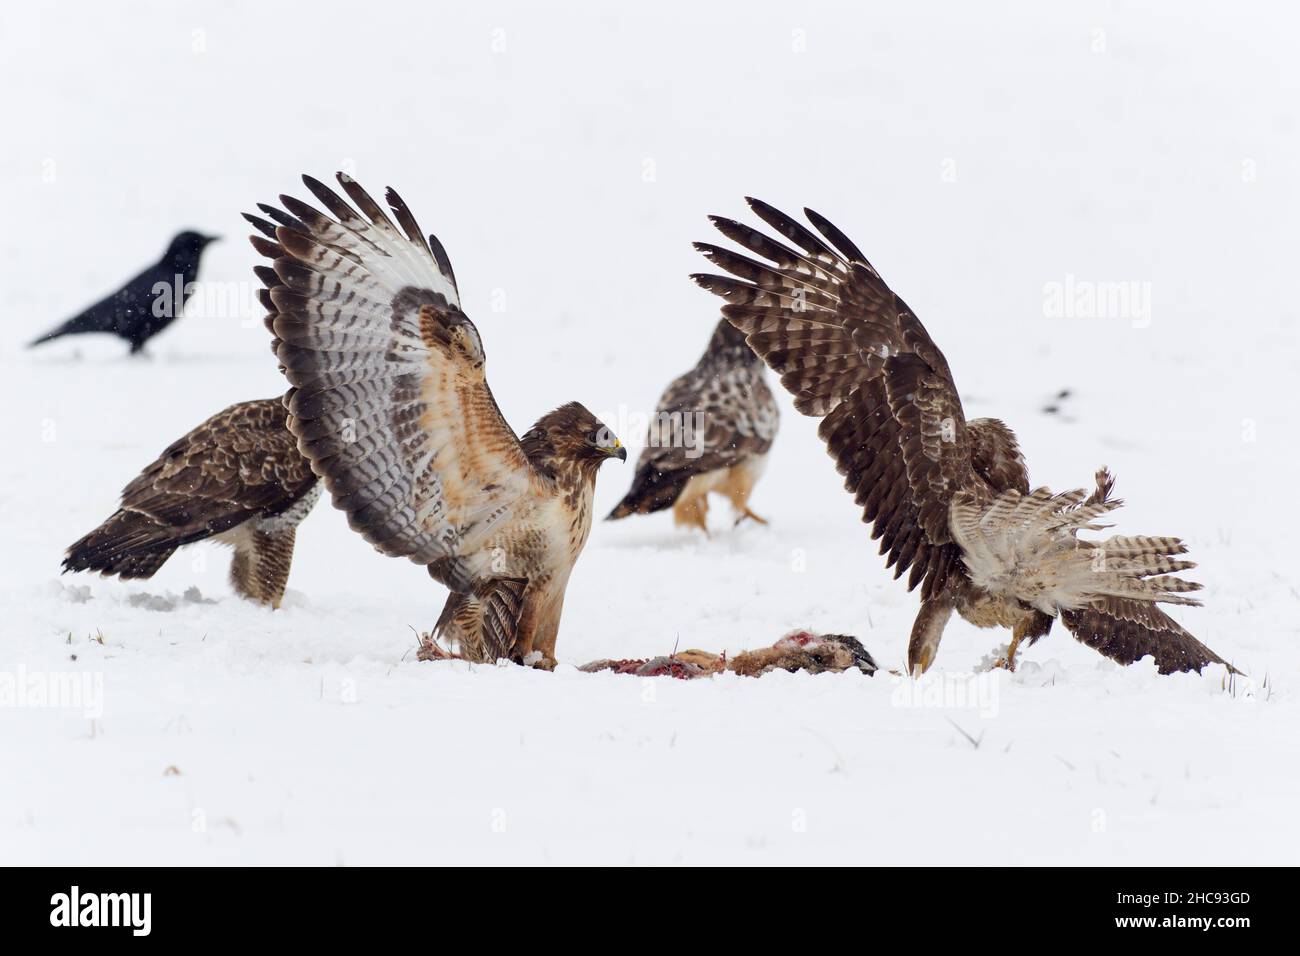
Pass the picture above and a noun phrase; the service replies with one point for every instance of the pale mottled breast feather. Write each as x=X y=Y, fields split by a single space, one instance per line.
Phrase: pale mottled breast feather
x=728 y=415
x=390 y=400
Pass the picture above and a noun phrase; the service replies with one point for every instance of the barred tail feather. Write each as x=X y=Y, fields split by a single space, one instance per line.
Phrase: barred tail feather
x=1027 y=547
x=128 y=545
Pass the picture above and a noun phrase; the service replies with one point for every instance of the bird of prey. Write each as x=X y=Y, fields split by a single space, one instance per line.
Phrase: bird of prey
x=948 y=498
x=391 y=405
x=711 y=433
x=237 y=478
x=148 y=303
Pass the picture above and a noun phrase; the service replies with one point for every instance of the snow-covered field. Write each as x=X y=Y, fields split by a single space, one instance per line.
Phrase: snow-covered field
x=984 y=159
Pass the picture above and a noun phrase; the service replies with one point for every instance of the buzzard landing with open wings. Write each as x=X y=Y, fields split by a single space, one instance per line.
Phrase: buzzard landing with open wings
x=948 y=498
x=391 y=406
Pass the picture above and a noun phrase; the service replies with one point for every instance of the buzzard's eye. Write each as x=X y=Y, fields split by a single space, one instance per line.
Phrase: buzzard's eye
x=607 y=443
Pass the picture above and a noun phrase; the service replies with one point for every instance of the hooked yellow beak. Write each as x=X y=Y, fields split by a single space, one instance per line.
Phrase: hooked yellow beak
x=617 y=450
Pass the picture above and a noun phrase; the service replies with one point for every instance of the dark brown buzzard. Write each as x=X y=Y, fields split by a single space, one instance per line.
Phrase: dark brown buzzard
x=948 y=498
x=238 y=478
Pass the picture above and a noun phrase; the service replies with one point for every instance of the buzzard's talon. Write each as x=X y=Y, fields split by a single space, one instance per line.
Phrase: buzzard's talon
x=1008 y=660
x=539 y=661
x=746 y=513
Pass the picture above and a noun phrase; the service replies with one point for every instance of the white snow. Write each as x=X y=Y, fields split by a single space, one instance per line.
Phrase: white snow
x=567 y=161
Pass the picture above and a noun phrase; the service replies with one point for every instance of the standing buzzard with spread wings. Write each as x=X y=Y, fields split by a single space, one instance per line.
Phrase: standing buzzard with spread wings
x=238 y=478
x=948 y=498
x=391 y=406
x=711 y=432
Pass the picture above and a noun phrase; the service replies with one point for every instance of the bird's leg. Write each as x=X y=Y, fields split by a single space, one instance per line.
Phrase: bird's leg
x=693 y=512
x=539 y=625
x=1017 y=635
x=740 y=483
x=535 y=634
x=260 y=569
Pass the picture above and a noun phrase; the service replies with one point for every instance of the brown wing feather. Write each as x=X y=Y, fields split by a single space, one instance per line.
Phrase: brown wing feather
x=241 y=463
x=1127 y=631
x=390 y=400
x=850 y=351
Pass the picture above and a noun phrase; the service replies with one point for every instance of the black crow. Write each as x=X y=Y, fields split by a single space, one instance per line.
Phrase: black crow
x=148 y=303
